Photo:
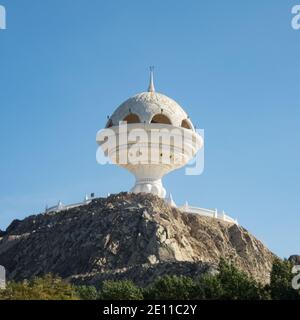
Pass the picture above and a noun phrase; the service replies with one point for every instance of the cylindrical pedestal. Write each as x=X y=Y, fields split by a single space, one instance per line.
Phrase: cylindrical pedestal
x=149 y=185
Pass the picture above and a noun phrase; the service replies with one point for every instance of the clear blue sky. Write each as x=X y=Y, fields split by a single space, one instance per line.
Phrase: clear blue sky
x=233 y=65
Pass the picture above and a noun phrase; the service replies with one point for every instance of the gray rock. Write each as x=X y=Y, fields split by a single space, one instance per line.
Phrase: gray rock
x=135 y=236
x=295 y=259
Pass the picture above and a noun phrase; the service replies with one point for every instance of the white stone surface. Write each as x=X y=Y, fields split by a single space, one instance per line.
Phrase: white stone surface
x=149 y=112
x=148 y=104
x=170 y=155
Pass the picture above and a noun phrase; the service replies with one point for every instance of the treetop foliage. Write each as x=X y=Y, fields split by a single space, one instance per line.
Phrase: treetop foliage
x=228 y=284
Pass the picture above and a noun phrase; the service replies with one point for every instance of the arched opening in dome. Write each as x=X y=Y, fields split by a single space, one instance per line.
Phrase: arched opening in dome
x=109 y=124
x=186 y=124
x=160 y=118
x=132 y=118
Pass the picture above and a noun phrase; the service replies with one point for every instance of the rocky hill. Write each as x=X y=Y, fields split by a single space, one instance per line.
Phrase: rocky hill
x=127 y=236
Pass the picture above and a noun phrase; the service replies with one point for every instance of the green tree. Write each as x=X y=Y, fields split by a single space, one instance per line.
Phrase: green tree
x=171 y=288
x=208 y=287
x=49 y=287
x=281 y=281
x=237 y=285
x=120 y=290
x=87 y=292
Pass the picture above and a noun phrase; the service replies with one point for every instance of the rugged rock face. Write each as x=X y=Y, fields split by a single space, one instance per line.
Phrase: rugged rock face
x=127 y=236
x=295 y=259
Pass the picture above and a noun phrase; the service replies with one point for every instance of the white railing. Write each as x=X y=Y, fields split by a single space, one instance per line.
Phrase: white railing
x=60 y=206
x=186 y=208
x=208 y=213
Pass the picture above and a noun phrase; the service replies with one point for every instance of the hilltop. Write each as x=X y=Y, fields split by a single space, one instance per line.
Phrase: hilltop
x=132 y=236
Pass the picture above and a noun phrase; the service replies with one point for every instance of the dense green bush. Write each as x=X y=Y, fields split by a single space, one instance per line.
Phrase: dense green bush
x=208 y=287
x=237 y=285
x=281 y=279
x=229 y=283
x=87 y=292
x=171 y=288
x=120 y=290
x=49 y=287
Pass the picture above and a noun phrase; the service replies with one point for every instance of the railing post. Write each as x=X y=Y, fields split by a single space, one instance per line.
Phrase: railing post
x=186 y=206
x=216 y=214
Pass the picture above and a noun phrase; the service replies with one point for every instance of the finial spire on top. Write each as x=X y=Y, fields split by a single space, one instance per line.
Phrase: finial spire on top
x=151 y=87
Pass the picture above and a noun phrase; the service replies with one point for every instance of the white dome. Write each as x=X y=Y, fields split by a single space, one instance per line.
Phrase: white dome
x=151 y=107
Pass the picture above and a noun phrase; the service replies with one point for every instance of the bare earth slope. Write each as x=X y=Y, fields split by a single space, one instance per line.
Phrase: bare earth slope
x=127 y=236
